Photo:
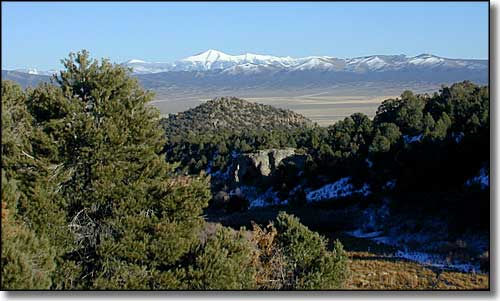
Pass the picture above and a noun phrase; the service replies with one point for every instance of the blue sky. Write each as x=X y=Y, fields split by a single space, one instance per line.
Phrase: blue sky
x=38 y=35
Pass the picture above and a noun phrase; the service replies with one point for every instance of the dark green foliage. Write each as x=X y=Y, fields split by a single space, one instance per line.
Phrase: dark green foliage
x=27 y=258
x=406 y=112
x=454 y=128
x=350 y=136
x=386 y=135
x=466 y=104
x=102 y=208
x=34 y=232
x=224 y=261
x=439 y=129
x=232 y=113
x=126 y=209
x=344 y=145
x=380 y=144
x=215 y=150
x=306 y=256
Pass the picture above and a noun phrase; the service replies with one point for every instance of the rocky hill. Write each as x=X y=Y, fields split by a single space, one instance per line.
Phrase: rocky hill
x=231 y=113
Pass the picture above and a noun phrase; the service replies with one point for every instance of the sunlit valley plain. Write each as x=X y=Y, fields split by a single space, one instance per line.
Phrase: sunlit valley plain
x=245 y=171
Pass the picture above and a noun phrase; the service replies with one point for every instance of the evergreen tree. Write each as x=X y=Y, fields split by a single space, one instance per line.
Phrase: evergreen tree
x=27 y=258
x=34 y=231
x=131 y=218
x=224 y=261
x=386 y=135
x=309 y=263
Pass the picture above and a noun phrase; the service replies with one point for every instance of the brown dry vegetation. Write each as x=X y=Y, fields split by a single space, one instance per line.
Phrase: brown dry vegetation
x=375 y=272
x=377 y=269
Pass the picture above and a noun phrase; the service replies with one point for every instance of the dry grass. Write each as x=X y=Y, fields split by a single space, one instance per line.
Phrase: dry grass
x=370 y=271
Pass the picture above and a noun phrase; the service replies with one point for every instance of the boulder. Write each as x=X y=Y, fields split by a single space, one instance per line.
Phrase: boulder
x=261 y=165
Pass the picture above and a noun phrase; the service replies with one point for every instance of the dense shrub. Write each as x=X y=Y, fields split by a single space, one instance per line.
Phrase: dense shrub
x=34 y=233
x=27 y=258
x=294 y=257
x=224 y=261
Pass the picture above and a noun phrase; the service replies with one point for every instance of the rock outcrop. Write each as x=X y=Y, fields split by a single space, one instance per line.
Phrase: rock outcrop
x=260 y=165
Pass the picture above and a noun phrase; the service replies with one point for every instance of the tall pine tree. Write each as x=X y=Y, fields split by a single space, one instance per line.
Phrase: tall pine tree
x=131 y=218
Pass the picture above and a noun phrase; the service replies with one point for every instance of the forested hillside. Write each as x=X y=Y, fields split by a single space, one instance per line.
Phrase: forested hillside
x=416 y=143
x=423 y=158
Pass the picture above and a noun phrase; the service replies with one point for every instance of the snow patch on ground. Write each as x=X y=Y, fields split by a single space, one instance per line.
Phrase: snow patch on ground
x=457 y=137
x=369 y=163
x=259 y=200
x=375 y=218
x=295 y=189
x=424 y=258
x=222 y=173
x=268 y=198
x=428 y=245
x=437 y=261
x=360 y=234
x=483 y=179
x=339 y=189
x=412 y=139
x=391 y=184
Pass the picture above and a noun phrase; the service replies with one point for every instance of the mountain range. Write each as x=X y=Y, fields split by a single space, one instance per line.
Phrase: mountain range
x=213 y=60
x=214 y=73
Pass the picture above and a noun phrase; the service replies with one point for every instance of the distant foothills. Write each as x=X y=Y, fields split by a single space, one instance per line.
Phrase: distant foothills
x=214 y=69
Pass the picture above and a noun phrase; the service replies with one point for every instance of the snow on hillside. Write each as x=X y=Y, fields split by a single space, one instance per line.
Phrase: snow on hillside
x=258 y=199
x=426 y=59
x=34 y=71
x=341 y=188
x=247 y=68
x=210 y=55
x=316 y=63
x=412 y=139
x=135 y=61
x=266 y=199
x=371 y=62
x=483 y=179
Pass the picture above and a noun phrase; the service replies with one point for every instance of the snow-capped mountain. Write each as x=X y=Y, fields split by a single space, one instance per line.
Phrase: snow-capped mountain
x=34 y=71
x=249 y=63
x=214 y=70
x=214 y=60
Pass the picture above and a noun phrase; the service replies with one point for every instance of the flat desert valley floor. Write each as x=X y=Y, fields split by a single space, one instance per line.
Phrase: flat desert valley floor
x=322 y=110
x=324 y=107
